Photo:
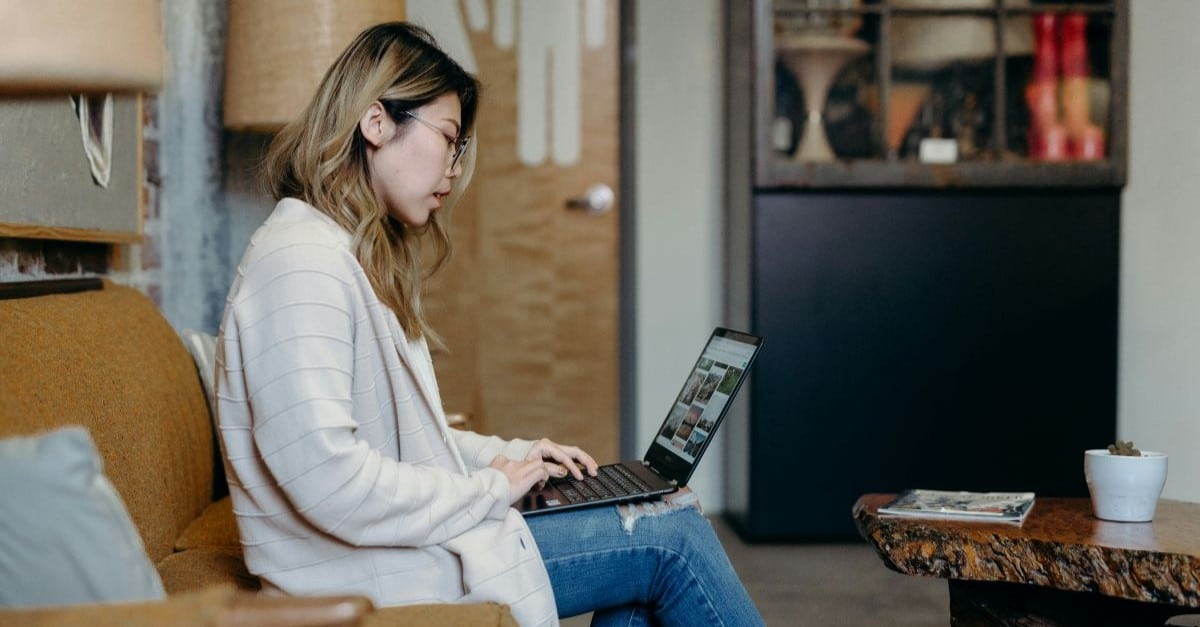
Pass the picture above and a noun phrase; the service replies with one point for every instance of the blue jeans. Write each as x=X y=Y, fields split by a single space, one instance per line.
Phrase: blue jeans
x=670 y=570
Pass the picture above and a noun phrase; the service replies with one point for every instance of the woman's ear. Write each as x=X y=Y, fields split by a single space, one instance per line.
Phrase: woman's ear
x=376 y=126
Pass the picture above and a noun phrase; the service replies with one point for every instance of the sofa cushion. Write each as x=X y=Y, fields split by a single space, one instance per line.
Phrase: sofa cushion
x=108 y=360
x=65 y=537
x=194 y=569
x=216 y=527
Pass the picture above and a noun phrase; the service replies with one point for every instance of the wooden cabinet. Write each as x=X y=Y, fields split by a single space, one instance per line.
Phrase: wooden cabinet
x=946 y=326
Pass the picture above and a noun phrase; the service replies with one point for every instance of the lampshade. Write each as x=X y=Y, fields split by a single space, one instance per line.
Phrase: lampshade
x=927 y=42
x=279 y=50
x=70 y=46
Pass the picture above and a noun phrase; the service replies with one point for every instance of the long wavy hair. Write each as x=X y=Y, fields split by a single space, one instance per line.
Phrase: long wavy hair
x=321 y=157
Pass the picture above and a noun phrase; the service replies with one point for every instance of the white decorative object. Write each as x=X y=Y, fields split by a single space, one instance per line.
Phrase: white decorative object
x=930 y=41
x=938 y=150
x=816 y=60
x=549 y=37
x=95 y=113
x=1125 y=488
x=549 y=48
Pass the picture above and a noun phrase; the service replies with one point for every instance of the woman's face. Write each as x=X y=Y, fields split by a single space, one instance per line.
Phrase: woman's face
x=410 y=165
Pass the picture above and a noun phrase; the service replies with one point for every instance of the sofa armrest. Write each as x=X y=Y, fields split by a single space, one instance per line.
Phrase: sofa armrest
x=222 y=606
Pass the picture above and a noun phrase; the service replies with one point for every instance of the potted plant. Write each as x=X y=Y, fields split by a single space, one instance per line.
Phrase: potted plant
x=1124 y=482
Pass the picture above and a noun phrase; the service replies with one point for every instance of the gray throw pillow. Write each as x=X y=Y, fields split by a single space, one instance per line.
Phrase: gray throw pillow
x=65 y=536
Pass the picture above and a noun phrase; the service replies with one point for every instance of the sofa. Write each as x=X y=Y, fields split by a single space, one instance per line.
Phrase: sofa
x=95 y=354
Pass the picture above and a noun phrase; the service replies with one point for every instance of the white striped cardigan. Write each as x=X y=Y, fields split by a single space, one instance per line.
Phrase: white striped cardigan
x=344 y=475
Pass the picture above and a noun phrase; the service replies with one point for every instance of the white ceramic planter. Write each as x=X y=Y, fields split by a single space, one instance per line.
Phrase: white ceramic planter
x=1124 y=488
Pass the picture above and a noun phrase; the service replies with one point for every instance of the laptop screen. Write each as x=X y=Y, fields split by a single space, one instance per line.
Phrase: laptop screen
x=701 y=404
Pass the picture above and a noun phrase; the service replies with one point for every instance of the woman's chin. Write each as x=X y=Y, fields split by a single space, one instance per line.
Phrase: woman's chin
x=414 y=220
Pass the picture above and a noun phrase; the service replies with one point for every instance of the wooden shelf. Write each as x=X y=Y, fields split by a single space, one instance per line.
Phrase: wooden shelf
x=870 y=173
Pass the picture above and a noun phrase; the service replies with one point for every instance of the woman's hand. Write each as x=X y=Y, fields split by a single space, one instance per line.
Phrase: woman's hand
x=563 y=459
x=522 y=474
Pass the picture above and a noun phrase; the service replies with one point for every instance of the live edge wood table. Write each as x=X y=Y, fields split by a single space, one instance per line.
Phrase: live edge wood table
x=1061 y=567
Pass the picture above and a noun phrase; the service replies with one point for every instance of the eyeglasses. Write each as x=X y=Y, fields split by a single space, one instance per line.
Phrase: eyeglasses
x=458 y=145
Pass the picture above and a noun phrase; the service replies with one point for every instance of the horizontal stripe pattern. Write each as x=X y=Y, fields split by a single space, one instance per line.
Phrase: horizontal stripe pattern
x=343 y=474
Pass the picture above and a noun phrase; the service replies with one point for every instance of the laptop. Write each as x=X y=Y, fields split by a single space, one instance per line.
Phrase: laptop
x=678 y=444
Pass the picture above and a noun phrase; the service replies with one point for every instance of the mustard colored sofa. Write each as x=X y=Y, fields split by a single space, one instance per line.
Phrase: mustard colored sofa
x=106 y=359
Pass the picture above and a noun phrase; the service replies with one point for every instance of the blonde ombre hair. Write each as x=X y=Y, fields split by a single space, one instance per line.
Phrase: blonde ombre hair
x=321 y=157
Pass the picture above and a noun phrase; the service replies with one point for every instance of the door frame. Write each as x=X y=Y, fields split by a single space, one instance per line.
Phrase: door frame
x=627 y=231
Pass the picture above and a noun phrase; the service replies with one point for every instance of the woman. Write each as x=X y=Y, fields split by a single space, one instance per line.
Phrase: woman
x=343 y=473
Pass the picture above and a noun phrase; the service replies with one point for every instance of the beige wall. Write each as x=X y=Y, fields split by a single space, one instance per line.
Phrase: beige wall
x=678 y=209
x=1159 y=374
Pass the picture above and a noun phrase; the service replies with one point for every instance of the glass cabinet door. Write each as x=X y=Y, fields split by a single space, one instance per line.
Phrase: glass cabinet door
x=1003 y=92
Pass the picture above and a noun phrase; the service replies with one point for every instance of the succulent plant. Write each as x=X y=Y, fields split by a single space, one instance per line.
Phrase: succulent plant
x=1124 y=448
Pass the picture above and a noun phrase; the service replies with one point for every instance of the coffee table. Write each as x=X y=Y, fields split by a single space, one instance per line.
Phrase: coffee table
x=1061 y=567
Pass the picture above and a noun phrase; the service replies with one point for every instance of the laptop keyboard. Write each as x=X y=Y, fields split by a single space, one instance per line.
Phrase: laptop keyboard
x=611 y=481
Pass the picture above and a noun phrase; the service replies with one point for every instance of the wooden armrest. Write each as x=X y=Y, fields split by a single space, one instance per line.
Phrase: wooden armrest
x=443 y=615
x=249 y=610
x=219 y=605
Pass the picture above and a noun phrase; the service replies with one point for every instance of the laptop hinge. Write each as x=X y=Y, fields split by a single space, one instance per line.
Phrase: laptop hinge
x=647 y=464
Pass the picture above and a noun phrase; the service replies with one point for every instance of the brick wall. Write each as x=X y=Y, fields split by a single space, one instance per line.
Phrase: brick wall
x=140 y=265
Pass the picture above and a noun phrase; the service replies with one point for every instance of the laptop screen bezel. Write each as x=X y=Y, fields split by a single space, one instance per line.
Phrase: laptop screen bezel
x=662 y=459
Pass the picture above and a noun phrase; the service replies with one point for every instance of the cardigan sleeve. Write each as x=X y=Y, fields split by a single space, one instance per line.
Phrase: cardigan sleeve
x=296 y=317
x=479 y=450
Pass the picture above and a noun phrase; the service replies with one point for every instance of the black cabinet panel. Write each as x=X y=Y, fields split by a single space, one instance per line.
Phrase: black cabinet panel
x=937 y=340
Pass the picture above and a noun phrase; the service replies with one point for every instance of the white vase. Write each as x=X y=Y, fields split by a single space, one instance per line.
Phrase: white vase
x=1124 y=488
x=816 y=60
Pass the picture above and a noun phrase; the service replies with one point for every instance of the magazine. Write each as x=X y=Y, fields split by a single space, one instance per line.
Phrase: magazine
x=1007 y=507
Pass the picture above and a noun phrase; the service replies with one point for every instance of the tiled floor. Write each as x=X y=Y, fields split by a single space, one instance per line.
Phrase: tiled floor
x=828 y=585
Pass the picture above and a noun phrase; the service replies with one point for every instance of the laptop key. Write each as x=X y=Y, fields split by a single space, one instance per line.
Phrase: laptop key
x=632 y=478
x=591 y=488
x=585 y=490
x=611 y=486
x=599 y=489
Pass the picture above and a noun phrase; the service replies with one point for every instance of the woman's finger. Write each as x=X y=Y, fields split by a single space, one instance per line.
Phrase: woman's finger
x=584 y=458
x=534 y=468
x=556 y=471
x=558 y=453
x=534 y=473
x=568 y=464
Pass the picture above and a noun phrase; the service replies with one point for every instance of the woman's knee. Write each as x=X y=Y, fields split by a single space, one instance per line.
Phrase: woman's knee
x=683 y=532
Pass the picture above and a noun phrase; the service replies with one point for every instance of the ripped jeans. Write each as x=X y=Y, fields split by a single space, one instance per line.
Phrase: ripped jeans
x=664 y=566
